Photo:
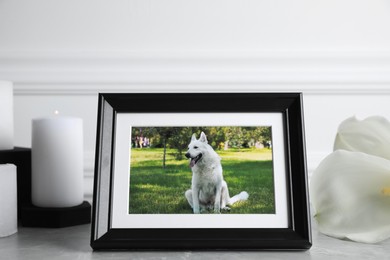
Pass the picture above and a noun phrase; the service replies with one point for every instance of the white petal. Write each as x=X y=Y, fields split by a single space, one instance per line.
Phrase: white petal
x=375 y=236
x=371 y=136
x=348 y=199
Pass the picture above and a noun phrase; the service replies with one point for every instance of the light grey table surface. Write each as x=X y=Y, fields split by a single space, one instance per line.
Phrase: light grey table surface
x=73 y=243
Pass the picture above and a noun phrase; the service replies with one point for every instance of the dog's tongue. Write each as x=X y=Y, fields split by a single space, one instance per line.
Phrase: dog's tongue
x=192 y=163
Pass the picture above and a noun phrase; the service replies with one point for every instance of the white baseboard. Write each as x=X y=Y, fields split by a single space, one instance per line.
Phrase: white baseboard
x=86 y=73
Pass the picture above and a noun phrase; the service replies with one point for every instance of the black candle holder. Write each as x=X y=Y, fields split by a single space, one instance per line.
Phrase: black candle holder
x=33 y=216
x=21 y=157
x=30 y=215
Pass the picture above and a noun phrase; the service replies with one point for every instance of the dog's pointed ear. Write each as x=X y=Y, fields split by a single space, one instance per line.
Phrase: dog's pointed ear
x=203 y=138
x=193 y=138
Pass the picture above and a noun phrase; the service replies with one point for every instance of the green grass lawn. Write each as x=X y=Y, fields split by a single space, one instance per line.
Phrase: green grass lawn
x=154 y=190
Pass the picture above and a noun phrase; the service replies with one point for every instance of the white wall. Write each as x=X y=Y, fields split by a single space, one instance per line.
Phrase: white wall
x=177 y=25
x=60 y=54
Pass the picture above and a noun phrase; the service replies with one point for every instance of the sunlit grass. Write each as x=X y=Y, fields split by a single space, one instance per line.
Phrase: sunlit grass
x=154 y=190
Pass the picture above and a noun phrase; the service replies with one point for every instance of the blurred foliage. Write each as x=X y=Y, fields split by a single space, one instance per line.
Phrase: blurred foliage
x=220 y=137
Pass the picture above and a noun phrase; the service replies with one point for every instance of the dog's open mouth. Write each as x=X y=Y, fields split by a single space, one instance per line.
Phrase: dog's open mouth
x=195 y=160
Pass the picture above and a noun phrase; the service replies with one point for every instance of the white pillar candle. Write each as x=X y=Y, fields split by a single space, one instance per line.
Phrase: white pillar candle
x=6 y=115
x=57 y=162
x=8 y=200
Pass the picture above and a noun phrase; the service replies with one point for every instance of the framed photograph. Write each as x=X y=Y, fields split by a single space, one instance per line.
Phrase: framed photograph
x=200 y=171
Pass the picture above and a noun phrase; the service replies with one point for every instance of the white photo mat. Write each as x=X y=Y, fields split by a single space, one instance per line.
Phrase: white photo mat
x=120 y=218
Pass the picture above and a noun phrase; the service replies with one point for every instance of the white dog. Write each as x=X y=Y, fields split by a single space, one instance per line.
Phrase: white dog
x=208 y=189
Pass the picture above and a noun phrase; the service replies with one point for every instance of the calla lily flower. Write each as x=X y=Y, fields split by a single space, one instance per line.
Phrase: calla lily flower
x=350 y=194
x=371 y=136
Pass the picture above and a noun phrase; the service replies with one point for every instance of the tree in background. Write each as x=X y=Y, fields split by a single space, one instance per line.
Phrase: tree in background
x=163 y=134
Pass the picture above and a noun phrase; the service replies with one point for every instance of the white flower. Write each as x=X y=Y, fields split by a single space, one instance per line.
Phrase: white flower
x=350 y=193
x=371 y=136
x=350 y=189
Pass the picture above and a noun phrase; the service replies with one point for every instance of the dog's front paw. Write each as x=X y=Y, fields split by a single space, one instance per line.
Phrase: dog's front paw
x=196 y=211
x=217 y=211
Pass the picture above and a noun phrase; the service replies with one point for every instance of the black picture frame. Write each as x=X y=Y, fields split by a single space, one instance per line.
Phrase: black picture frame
x=296 y=237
